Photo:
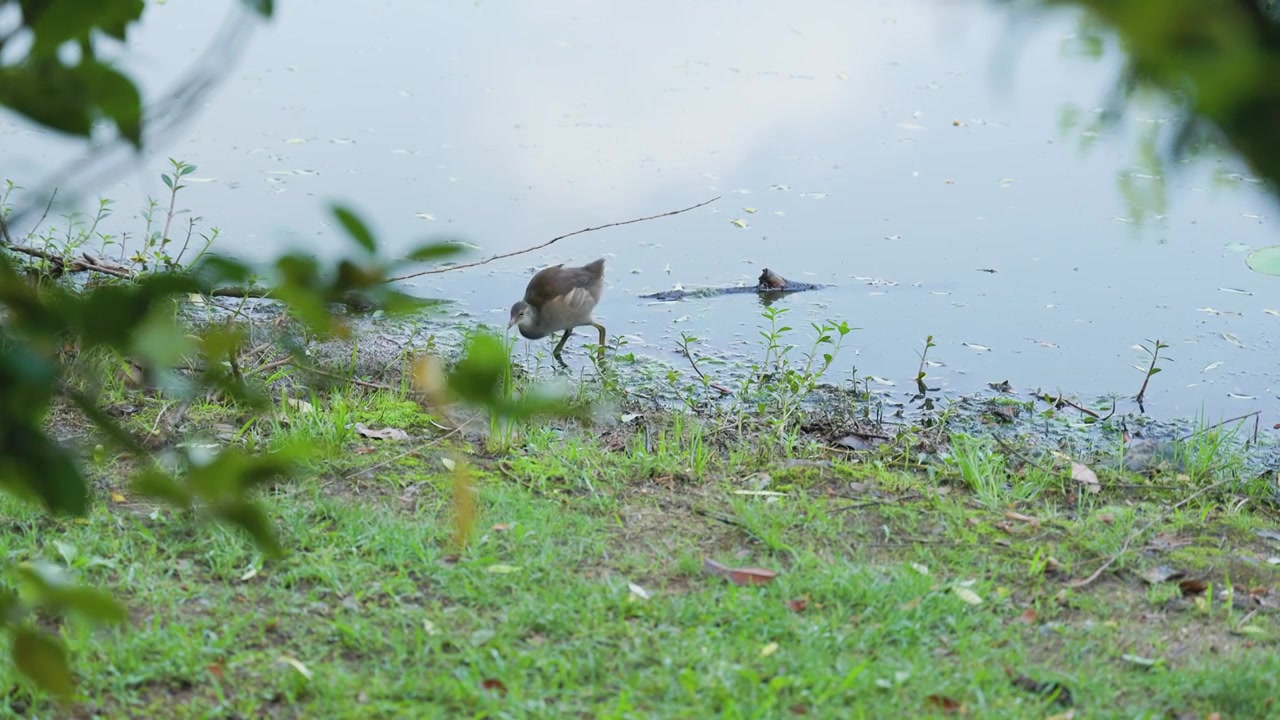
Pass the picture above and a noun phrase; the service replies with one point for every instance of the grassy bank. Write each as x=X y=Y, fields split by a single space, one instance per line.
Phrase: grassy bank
x=713 y=542
x=982 y=585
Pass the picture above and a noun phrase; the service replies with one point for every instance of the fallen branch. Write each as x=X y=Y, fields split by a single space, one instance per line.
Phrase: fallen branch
x=85 y=264
x=500 y=256
x=1112 y=560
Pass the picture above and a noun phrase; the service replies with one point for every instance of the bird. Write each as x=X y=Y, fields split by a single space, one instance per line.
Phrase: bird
x=560 y=298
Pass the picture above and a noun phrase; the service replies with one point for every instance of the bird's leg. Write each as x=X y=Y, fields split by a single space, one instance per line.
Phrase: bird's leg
x=600 y=328
x=560 y=345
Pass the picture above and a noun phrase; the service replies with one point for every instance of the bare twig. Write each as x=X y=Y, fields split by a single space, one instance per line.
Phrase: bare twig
x=48 y=206
x=1011 y=450
x=1200 y=492
x=1253 y=414
x=500 y=256
x=1112 y=560
x=415 y=449
x=353 y=380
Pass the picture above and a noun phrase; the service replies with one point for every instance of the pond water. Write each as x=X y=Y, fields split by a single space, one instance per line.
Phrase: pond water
x=895 y=150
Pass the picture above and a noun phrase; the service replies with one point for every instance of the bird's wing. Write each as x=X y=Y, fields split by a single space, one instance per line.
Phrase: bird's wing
x=579 y=301
x=542 y=287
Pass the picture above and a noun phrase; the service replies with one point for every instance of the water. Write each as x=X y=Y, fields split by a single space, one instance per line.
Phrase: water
x=891 y=149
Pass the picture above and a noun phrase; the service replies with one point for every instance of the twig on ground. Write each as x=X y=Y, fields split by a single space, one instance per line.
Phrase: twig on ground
x=500 y=256
x=1011 y=450
x=353 y=380
x=417 y=448
x=1112 y=560
x=1200 y=492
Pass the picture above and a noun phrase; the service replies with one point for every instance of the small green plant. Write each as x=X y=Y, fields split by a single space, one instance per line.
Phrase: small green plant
x=157 y=244
x=782 y=381
x=982 y=469
x=82 y=244
x=1152 y=369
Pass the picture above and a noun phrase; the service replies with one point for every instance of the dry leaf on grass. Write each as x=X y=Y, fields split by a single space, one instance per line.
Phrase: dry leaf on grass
x=944 y=704
x=1085 y=475
x=1162 y=574
x=383 y=434
x=967 y=595
x=740 y=576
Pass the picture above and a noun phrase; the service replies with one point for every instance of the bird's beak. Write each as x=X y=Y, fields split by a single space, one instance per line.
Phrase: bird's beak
x=511 y=322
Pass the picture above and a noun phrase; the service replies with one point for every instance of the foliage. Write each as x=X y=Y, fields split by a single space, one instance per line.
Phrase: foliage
x=1219 y=59
x=63 y=84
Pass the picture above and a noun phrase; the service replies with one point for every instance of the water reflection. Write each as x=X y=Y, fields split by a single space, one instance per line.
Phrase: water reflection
x=865 y=145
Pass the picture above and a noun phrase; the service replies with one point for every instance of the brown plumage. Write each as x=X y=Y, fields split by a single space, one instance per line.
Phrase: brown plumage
x=560 y=298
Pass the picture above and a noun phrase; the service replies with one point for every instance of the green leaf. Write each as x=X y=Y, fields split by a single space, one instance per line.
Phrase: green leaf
x=43 y=658
x=1265 y=260
x=155 y=484
x=355 y=227
x=477 y=376
x=34 y=466
x=168 y=181
x=249 y=517
x=45 y=93
x=113 y=95
x=263 y=7
x=55 y=590
x=60 y=21
x=435 y=251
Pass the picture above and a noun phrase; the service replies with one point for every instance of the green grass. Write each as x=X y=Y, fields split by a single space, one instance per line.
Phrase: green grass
x=872 y=614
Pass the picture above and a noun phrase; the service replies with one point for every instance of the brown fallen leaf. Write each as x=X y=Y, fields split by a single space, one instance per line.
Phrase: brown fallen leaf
x=945 y=704
x=1028 y=617
x=797 y=604
x=495 y=685
x=1162 y=574
x=383 y=434
x=740 y=576
x=1022 y=518
x=1193 y=587
x=1167 y=541
x=1084 y=475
